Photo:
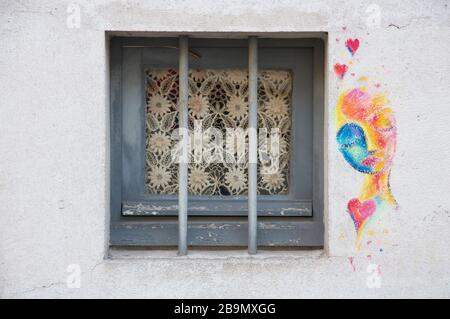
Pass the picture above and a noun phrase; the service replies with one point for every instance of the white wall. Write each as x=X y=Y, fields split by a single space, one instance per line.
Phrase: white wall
x=53 y=152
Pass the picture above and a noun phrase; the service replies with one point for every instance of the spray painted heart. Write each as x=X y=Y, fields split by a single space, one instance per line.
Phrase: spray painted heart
x=340 y=70
x=352 y=45
x=360 y=212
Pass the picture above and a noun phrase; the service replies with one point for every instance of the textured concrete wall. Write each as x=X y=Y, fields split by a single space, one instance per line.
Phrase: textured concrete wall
x=53 y=152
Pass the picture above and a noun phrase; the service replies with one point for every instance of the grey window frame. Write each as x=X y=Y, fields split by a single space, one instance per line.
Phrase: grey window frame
x=139 y=219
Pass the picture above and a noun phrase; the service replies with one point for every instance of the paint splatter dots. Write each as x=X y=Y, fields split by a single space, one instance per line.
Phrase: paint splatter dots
x=350 y=260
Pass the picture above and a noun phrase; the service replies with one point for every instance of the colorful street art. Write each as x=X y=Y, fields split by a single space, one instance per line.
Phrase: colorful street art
x=366 y=137
x=340 y=70
x=352 y=45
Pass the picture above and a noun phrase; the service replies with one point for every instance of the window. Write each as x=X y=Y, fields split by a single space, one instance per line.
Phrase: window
x=155 y=80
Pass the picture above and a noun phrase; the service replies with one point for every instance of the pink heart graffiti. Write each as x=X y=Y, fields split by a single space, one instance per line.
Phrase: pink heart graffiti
x=340 y=70
x=360 y=212
x=352 y=45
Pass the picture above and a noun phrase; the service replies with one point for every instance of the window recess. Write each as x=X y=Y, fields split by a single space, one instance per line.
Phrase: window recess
x=213 y=197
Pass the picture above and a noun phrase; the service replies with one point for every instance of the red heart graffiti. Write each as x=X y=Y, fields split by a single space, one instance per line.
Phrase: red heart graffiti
x=352 y=45
x=340 y=70
x=360 y=212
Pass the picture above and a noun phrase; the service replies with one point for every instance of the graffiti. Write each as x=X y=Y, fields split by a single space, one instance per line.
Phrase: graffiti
x=350 y=260
x=340 y=70
x=352 y=45
x=366 y=137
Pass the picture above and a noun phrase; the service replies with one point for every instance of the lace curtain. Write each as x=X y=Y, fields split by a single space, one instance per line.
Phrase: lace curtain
x=218 y=98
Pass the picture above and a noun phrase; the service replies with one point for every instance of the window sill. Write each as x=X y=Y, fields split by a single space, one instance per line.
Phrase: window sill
x=201 y=254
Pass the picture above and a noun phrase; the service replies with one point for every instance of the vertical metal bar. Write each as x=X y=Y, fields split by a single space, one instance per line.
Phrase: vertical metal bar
x=252 y=142
x=183 y=163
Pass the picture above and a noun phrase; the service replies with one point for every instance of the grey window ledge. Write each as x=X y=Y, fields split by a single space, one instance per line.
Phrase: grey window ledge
x=151 y=254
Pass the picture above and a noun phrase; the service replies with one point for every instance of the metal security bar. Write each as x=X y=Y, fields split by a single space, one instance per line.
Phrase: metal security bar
x=252 y=142
x=183 y=163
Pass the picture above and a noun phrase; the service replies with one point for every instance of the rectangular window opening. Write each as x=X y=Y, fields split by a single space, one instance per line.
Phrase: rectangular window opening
x=146 y=142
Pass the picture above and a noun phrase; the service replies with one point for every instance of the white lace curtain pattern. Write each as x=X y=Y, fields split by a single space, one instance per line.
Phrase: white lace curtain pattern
x=219 y=98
